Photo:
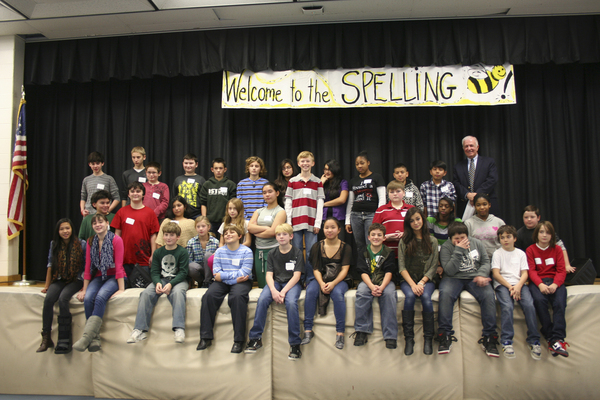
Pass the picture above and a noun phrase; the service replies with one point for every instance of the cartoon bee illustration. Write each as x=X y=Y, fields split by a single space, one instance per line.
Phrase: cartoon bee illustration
x=482 y=81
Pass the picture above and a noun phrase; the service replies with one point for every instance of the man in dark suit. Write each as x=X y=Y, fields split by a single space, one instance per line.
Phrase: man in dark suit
x=475 y=174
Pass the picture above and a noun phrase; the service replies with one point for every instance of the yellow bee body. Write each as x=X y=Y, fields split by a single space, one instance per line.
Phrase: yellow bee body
x=480 y=85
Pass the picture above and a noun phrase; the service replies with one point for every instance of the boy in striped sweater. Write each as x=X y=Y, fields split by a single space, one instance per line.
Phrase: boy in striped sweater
x=232 y=270
x=249 y=190
x=304 y=200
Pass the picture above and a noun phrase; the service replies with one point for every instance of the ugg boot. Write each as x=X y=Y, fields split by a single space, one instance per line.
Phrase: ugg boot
x=428 y=332
x=95 y=344
x=65 y=340
x=46 y=342
x=408 y=325
x=92 y=327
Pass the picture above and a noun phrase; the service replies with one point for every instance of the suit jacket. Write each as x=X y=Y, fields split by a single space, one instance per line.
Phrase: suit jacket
x=486 y=177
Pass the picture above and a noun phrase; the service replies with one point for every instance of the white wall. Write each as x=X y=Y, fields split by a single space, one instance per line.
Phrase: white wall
x=12 y=57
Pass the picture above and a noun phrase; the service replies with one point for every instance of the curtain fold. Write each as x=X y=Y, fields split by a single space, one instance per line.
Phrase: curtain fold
x=540 y=40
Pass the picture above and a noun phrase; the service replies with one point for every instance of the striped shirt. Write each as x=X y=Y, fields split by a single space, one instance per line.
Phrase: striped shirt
x=250 y=193
x=393 y=220
x=233 y=264
x=304 y=202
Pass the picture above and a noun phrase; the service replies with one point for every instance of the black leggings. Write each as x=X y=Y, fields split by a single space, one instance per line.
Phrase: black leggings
x=62 y=292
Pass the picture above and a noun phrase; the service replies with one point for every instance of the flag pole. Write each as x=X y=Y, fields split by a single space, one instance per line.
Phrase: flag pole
x=24 y=281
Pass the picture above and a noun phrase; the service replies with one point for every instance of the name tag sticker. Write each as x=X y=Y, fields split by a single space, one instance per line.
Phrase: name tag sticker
x=269 y=218
x=175 y=221
x=474 y=254
x=306 y=191
x=445 y=189
x=538 y=261
x=289 y=266
x=191 y=180
x=100 y=186
x=142 y=180
x=368 y=181
x=223 y=191
x=550 y=261
x=235 y=262
x=409 y=195
x=156 y=195
x=130 y=221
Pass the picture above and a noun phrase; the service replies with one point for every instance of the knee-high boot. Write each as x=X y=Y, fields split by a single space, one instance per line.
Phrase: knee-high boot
x=408 y=325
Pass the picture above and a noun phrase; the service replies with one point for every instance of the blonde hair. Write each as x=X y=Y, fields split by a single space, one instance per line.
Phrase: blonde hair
x=305 y=154
x=138 y=149
x=284 y=228
x=250 y=160
x=206 y=221
x=172 y=227
x=239 y=220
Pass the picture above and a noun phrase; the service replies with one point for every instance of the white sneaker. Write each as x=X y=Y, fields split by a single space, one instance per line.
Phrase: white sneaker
x=508 y=349
x=536 y=351
x=179 y=335
x=137 y=336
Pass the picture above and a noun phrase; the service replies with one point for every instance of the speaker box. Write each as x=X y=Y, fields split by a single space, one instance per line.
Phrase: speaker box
x=584 y=274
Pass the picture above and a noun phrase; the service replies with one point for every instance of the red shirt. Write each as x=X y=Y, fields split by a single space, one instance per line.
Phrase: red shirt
x=549 y=263
x=393 y=220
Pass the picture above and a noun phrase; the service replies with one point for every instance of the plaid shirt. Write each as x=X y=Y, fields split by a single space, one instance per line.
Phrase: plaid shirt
x=432 y=193
x=196 y=251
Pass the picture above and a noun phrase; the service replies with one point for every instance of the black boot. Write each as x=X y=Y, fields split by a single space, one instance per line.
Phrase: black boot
x=408 y=325
x=65 y=340
x=427 y=332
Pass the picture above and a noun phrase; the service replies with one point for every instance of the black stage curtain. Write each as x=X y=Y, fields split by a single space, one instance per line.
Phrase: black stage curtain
x=546 y=147
x=556 y=40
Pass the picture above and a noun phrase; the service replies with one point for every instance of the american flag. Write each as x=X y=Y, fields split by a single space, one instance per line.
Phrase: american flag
x=18 y=178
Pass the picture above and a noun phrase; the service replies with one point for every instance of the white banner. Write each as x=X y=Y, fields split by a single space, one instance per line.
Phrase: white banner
x=371 y=87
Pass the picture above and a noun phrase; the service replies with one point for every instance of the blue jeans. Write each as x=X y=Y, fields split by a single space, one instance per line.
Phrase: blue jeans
x=97 y=294
x=339 y=304
x=409 y=301
x=291 y=306
x=149 y=297
x=507 y=306
x=360 y=222
x=557 y=329
x=309 y=240
x=450 y=289
x=387 y=307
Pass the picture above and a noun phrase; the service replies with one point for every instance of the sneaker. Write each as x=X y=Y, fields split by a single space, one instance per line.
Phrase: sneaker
x=508 y=349
x=179 y=335
x=536 y=351
x=445 y=343
x=295 y=353
x=360 y=338
x=558 y=348
x=253 y=345
x=391 y=344
x=137 y=336
x=488 y=344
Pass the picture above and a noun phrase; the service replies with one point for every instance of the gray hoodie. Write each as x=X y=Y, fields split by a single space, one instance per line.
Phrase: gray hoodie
x=462 y=263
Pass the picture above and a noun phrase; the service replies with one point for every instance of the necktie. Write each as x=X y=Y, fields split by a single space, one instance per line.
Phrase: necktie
x=472 y=173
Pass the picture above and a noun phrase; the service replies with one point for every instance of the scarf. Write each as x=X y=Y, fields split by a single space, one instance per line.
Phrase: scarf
x=102 y=259
x=68 y=262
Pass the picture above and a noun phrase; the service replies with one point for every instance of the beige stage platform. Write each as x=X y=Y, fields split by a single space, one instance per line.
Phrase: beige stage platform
x=160 y=369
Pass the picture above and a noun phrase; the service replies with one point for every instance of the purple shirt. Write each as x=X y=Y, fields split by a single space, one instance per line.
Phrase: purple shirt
x=339 y=212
